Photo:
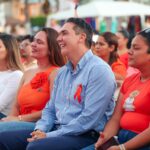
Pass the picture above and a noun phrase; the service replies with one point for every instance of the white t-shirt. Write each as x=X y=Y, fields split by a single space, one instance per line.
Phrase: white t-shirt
x=9 y=82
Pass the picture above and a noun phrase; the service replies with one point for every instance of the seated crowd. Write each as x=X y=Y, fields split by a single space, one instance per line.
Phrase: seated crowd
x=36 y=84
x=47 y=101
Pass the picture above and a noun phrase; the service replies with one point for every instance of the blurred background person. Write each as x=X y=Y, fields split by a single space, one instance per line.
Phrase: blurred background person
x=123 y=38
x=124 y=42
x=106 y=48
x=19 y=39
x=55 y=25
x=10 y=72
x=26 y=52
x=94 y=39
x=36 y=85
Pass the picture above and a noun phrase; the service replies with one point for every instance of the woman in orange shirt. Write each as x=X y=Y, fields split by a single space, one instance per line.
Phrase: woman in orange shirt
x=123 y=40
x=106 y=48
x=131 y=118
x=36 y=84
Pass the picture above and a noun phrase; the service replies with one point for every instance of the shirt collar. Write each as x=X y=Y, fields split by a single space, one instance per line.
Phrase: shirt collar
x=81 y=62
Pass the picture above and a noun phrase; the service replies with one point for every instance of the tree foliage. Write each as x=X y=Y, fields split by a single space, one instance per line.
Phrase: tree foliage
x=84 y=1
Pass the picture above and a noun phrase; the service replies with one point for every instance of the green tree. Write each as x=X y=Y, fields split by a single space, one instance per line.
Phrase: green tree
x=84 y=1
x=1 y=1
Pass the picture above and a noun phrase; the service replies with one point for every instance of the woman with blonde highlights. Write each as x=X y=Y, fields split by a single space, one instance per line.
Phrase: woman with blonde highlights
x=10 y=72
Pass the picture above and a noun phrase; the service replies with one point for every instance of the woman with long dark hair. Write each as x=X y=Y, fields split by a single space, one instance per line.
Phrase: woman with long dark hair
x=37 y=83
x=106 y=48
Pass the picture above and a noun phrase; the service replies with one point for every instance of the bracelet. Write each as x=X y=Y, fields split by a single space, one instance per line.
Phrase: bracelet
x=122 y=147
x=20 y=118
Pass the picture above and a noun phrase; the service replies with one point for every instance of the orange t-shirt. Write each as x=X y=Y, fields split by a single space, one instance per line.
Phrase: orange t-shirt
x=124 y=59
x=119 y=68
x=33 y=96
x=136 y=94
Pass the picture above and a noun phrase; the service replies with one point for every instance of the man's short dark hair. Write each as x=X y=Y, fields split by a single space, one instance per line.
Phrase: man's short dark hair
x=80 y=27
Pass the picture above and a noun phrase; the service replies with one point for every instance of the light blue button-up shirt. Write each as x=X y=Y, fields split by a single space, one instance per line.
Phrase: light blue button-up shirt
x=73 y=115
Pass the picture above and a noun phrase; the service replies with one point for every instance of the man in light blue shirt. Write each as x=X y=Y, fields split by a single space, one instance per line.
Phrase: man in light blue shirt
x=82 y=98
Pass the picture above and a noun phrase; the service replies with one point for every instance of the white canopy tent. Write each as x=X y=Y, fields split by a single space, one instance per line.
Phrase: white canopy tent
x=105 y=9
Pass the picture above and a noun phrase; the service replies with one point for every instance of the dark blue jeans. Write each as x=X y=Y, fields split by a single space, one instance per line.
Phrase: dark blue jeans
x=125 y=135
x=17 y=140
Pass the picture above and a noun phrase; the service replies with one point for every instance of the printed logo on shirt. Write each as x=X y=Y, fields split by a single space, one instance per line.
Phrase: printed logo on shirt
x=128 y=105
